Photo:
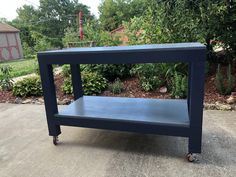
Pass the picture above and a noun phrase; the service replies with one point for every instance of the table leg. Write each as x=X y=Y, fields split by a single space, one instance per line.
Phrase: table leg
x=46 y=72
x=196 y=90
x=76 y=81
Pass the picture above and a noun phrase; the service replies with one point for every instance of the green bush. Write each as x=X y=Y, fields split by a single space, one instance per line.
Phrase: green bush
x=36 y=65
x=71 y=35
x=29 y=86
x=179 y=88
x=42 y=42
x=93 y=83
x=183 y=21
x=66 y=72
x=111 y=71
x=67 y=86
x=116 y=87
x=28 y=51
x=150 y=76
x=5 y=77
x=220 y=86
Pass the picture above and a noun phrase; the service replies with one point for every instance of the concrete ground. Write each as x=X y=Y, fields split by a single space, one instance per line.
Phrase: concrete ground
x=26 y=149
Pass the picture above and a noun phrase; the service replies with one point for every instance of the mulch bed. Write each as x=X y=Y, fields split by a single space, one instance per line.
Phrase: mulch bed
x=6 y=97
x=131 y=89
x=211 y=94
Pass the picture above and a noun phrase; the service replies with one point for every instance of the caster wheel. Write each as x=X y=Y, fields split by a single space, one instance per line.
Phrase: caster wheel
x=191 y=157
x=55 y=140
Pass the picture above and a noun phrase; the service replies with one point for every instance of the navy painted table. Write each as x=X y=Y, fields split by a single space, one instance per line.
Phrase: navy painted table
x=153 y=116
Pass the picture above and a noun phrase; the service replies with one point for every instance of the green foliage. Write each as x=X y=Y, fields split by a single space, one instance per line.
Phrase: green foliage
x=71 y=35
x=221 y=87
x=93 y=83
x=94 y=32
x=116 y=87
x=5 y=77
x=67 y=86
x=113 y=12
x=20 y=67
x=111 y=71
x=185 y=21
x=50 y=19
x=171 y=68
x=57 y=15
x=66 y=72
x=150 y=76
x=26 y=15
x=179 y=87
x=36 y=65
x=42 y=42
x=3 y=20
x=29 y=86
x=27 y=51
x=161 y=24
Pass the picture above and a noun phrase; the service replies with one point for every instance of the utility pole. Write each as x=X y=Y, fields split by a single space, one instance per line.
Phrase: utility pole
x=80 y=25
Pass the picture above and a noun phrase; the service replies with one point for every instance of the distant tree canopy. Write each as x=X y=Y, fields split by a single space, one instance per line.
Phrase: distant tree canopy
x=50 y=19
x=3 y=20
x=113 y=12
x=146 y=21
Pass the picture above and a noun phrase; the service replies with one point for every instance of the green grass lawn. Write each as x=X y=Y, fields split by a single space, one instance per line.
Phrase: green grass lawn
x=21 y=67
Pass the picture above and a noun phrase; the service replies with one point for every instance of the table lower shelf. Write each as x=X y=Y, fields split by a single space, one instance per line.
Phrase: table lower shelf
x=127 y=114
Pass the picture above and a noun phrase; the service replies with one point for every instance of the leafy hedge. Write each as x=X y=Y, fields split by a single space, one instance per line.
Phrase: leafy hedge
x=93 y=83
x=179 y=86
x=111 y=71
x=29 y=86
x=5 y=77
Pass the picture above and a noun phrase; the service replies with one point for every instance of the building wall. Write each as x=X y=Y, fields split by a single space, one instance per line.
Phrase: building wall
x=10 y=46
x=120 y=33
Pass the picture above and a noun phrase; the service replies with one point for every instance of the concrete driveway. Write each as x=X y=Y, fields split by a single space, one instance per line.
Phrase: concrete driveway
x=26 y=149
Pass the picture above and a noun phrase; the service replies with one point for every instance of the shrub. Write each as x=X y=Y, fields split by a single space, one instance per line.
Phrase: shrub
x=71 y=35
x=5 y=77
x=220 y=86
x=67 y=86
x=149 y=76
x=66 y=72
x=29 y=86
x=111 y=71
x=183 y=21
x=42 y=42
x=93 y=83
x=28 y=51
x=116 y=87
x=36 y=65
x=179 y=86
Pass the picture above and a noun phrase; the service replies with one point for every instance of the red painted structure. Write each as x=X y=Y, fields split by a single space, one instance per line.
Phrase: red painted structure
x=10 y=44
x=81 y=25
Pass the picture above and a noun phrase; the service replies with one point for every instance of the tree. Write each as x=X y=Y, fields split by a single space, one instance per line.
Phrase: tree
x=50 y=21
x=186 y=21
x=92 y=32
x=26 y=23
x=113 y=12
x=3 y=20
x=57 y=15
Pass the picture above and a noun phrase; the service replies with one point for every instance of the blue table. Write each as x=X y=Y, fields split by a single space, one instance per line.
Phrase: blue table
x=153 y=116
